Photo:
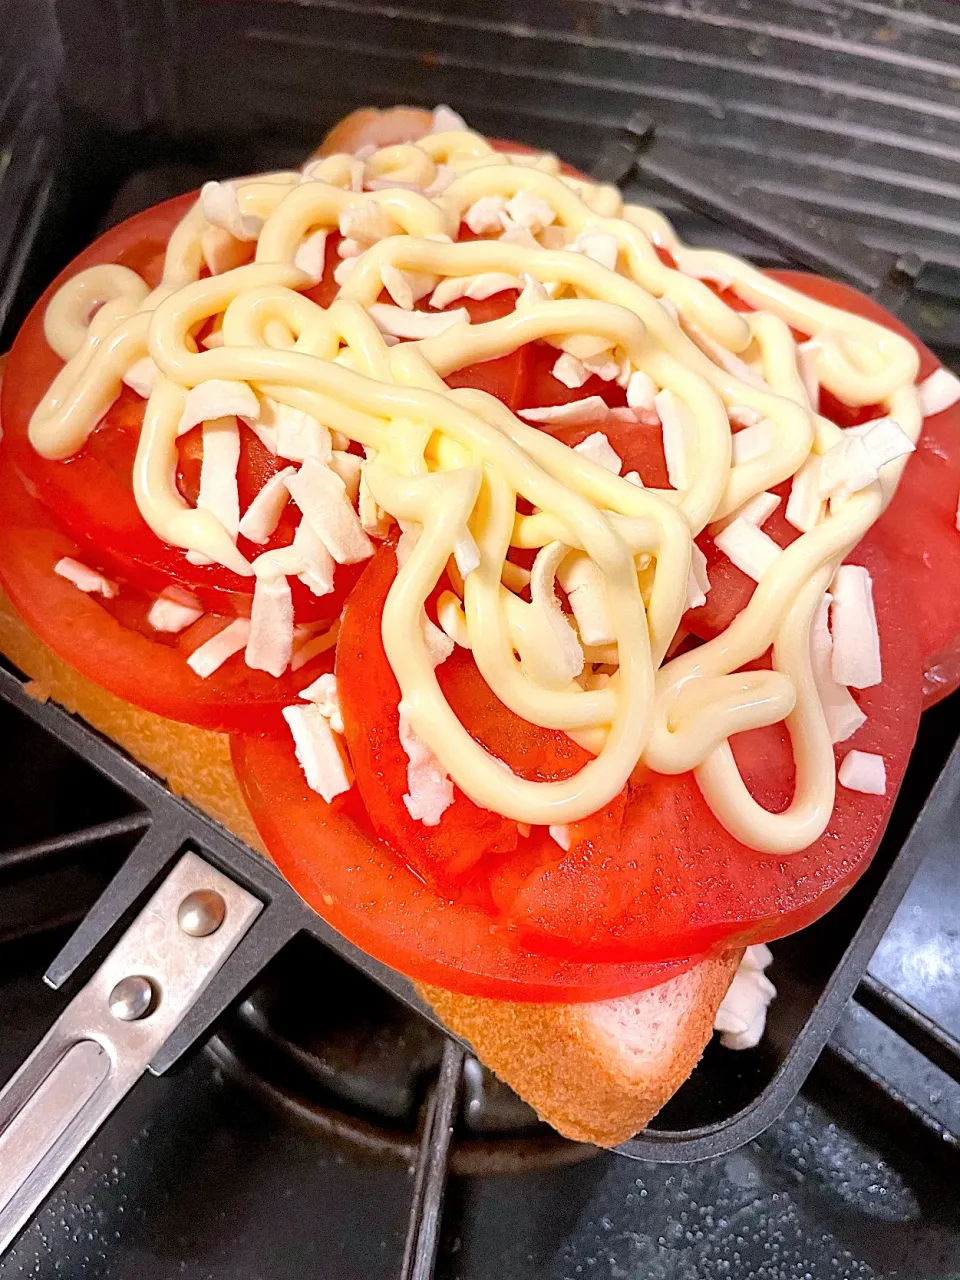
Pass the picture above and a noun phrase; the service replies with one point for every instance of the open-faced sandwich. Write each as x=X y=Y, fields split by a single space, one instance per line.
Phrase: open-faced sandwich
x=554 y=603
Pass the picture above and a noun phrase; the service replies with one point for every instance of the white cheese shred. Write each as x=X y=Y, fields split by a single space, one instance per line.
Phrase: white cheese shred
x=322 y=497
x=174 y=610
x=938 y=392
x=853 y=624
x=262 y=516
x=750 y=549
x=318 y=751
x=87 y=580
x=270 y=643
x=429 y=789
x=863 y=771
x=326 y=696
x=211 y=655
x=742 y=1015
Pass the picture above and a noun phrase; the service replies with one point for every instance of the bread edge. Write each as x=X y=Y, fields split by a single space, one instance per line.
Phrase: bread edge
x=553 y=1055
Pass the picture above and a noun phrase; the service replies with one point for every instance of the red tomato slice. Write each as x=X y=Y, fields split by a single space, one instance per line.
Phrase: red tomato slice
x=374 y=899
x=111 y=645
x=655 y=879
x=467 y=838
x=678 y=882
x=370 y=697
x=91 y=493
x=917 y=532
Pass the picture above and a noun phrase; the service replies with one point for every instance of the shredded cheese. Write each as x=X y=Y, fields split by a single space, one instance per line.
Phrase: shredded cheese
x=210 y=656
x=88 y=580
x=863 y=771
x=318 y=751
x=466 y=479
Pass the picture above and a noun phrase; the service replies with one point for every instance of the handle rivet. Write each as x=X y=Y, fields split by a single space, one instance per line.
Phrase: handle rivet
x=201 y=913
x=131 y=998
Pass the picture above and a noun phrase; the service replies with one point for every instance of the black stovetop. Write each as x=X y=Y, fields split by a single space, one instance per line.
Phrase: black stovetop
x=196 y=1177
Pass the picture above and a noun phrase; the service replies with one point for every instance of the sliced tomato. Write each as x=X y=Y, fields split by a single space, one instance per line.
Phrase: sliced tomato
x=456 y=853
x=917 y=532
x=679 y=882
x=656 y=878
x=367 y=893
x=370 y=698
x=91 y=493
x=110 y=643
x=505 y=377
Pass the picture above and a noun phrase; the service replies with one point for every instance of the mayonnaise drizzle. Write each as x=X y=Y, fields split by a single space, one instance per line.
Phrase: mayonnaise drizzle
x=454 y=464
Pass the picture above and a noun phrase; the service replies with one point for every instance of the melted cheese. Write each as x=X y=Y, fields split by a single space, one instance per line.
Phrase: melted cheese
x=473 y=479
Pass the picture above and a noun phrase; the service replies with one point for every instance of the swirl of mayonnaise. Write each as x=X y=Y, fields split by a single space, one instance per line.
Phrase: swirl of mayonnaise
x=474 y=479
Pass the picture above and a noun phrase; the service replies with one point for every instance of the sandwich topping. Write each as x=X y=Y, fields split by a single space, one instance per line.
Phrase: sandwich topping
x=334 y=313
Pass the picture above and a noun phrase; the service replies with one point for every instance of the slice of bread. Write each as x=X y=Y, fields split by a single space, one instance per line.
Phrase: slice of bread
x=596 y=1072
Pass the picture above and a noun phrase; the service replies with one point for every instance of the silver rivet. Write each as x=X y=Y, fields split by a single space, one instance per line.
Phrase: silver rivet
x=131 y=998
x=201 y=913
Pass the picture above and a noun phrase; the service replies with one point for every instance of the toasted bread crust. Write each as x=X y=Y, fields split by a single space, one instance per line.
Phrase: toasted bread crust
x=574 y=1076
x=194 y=763
x=369 y=127
x=555 y=1056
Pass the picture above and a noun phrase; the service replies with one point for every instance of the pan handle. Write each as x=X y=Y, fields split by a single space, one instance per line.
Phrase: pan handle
x=106 y=1037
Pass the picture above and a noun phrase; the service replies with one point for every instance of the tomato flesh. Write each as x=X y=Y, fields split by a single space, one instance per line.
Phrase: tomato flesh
x=110 y=642
x=679 y=882
x=367 y=893
x=458 y=852
x=917 y=532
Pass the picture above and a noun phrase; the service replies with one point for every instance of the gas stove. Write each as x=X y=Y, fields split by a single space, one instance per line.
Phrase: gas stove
x=291 y=1143
x=325 y=1126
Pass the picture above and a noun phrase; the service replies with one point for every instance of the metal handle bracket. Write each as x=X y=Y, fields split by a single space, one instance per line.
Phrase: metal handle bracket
x=107 y=1036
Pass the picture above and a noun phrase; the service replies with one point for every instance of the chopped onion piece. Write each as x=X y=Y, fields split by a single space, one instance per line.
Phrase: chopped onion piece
x=560 y=833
